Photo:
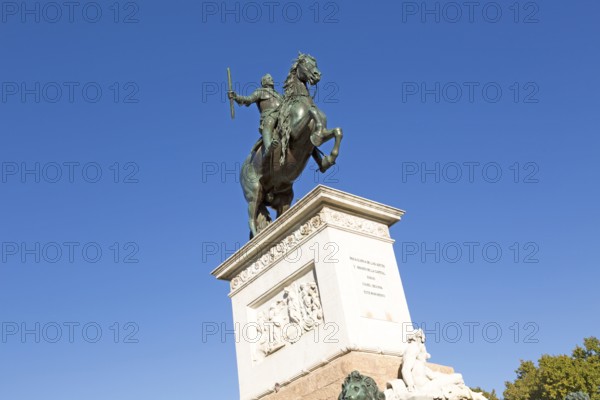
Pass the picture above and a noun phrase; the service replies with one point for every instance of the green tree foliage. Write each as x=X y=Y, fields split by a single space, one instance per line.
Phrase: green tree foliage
x=555 y=377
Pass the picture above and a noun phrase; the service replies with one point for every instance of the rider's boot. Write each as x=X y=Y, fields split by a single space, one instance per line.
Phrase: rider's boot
x=269 y=145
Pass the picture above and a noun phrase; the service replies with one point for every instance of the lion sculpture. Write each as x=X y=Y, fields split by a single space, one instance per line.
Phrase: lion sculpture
x=360 y=387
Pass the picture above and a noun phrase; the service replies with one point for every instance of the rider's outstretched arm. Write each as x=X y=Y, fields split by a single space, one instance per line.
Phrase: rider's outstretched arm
x=247 y=100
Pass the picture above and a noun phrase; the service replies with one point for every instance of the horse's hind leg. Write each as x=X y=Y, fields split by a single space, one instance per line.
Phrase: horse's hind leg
x=284 y=201
x=252 y=214
x=252 y=192
x=249 y=179
x=263 y=218
x=258 y=215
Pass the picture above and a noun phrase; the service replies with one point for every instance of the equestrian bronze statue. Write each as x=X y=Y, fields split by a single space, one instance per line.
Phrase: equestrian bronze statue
x=292 y=128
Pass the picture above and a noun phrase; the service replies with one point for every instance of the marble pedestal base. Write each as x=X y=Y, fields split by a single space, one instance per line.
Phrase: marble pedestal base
x=317 y=285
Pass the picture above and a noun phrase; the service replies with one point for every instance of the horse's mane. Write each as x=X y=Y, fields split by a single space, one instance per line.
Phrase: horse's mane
x=291 y=90
x=289 y=86
x=291 y=78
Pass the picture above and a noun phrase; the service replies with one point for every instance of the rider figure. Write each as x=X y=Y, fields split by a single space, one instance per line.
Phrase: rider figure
x=268 y=101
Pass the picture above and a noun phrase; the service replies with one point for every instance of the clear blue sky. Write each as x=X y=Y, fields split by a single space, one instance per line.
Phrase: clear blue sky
x=161 y=129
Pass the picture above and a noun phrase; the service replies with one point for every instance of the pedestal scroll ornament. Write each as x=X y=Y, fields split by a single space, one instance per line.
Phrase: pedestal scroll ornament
x=290 y=243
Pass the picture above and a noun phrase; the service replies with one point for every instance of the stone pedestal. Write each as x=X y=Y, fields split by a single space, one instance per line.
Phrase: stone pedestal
x=324 y=383
x=315 y=295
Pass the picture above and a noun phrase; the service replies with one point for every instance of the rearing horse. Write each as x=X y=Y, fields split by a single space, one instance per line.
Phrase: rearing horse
x=267 y=178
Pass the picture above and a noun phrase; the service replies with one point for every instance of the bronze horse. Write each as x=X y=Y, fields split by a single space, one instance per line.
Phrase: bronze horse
x=267 y=178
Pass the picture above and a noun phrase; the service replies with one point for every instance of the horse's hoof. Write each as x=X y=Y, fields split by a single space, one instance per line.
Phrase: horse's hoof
x=326 y=164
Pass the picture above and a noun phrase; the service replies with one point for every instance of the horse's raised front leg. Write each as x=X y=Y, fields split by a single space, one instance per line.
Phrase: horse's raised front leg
x=326 y=162
x=318 y=157
x=321 y=135
x=335 y=151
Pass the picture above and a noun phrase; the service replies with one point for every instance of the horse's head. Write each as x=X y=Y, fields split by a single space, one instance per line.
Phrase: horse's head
x=306 y=69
